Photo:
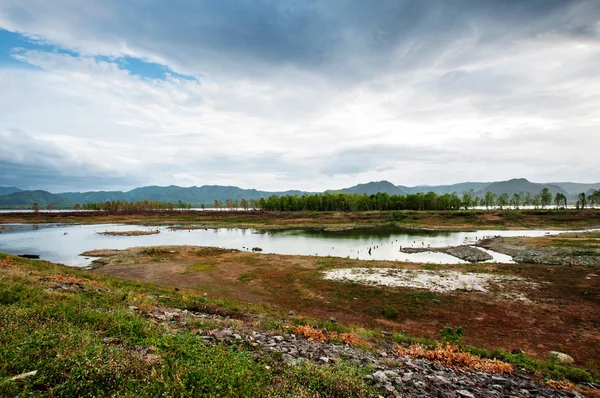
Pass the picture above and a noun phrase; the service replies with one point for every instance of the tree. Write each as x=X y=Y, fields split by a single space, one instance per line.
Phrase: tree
x=582 y=200
x=537 y=199
x=516 y=200
x=36 y=207
x=467 y=199
x=545 y=197
x=560 y=200
x=503 y=200
x=489 y=200
x=77 y=207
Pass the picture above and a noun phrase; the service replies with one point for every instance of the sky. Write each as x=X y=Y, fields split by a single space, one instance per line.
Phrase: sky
x=285 y=94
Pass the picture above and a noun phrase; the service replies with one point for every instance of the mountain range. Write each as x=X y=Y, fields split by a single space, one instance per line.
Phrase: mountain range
x=207 y=194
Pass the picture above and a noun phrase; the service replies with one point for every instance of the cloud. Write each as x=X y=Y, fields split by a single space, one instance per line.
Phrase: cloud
x=300 y=94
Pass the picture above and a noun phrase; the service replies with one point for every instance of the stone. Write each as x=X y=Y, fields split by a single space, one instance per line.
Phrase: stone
x=279 y=338
x=236 y=336
x=324 y=359
x=391 y=374
x=380 y=376
x=465 y=394
x=561 y=357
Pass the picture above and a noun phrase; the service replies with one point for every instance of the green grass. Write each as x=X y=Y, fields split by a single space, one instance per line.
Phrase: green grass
x=60 y=334
x=201 y=267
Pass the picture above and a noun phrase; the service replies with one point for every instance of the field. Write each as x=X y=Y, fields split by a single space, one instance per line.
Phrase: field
x=559 y=219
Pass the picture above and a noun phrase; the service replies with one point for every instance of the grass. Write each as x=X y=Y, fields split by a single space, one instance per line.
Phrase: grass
x=201 y=267
x=471 y=219
x=60 y=334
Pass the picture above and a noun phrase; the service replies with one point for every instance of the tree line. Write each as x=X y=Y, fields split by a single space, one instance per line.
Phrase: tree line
x=356 y=202
x=419 y=201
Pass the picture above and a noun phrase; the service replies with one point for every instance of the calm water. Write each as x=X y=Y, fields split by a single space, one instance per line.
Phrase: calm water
x=64 y=243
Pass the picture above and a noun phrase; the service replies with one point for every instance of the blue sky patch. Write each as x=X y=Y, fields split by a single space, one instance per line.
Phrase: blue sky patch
x=12 y=43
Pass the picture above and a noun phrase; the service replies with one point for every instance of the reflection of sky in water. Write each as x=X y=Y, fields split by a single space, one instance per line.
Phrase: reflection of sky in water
x=63 y=244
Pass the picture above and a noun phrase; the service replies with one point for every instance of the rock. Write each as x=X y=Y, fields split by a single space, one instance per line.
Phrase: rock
x=469 y=253
x=324 y=359
x=380 y=376
x=290 y=313
x=133 y=308
x=561 y=357
x=236 y=336
x=465 y=394
x=391 y=374
x=279 y=338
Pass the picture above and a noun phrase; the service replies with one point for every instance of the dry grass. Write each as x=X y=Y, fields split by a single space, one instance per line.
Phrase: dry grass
x=322 y=335
x=452 y=357
x=74 y=280
x=6 y=263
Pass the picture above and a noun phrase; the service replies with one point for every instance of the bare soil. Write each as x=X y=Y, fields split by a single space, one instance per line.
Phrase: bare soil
x=130 y=233
x=563 y=313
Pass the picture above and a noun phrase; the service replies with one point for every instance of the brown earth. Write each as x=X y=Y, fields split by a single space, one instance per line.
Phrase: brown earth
x=563 y=315
x=508 y=219
x=130 y=233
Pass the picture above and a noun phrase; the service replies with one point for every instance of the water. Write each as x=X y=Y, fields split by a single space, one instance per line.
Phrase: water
x=63 y=243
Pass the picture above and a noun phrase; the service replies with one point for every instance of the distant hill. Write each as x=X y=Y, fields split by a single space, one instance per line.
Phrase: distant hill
x=28 y=198
x=444 y=189
x=195 y=195
x=517 y=185
x=8 y=190
x=372 y=188
x=575 y=188
x=206 y=194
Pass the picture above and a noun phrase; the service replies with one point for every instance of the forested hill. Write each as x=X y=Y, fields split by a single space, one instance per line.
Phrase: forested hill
x=207 y=194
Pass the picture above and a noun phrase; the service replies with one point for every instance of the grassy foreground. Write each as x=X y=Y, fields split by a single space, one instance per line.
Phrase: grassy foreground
x=66 y=337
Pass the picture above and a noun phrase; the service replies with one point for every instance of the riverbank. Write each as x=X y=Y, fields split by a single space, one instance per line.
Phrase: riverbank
x=447 y=220
x=71 y=332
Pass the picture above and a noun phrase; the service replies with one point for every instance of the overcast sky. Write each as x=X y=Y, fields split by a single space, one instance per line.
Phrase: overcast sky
x=308 y=95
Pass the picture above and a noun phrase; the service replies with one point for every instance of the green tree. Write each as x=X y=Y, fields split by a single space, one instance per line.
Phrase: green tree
x=503 y=200
x=467 y=199
x=36 y=207
x=560 y=200
x=489 y=200
x=582 y=200
x=545 y=197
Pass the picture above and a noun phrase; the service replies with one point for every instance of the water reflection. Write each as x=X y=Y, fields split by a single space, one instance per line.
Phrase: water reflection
x=64 y=243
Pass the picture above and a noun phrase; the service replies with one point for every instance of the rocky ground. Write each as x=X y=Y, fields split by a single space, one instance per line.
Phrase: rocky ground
x=466 y=253
x=524 y=253
x=393 y=375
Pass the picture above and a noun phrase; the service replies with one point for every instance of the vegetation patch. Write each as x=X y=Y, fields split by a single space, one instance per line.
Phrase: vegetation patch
x=451 y=356
x=202 y=267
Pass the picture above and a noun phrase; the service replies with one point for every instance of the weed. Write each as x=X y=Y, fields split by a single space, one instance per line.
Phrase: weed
x=450 y=335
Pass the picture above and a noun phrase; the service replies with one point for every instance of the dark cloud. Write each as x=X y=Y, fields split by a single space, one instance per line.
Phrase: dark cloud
x=341 y=38
x=33 y=163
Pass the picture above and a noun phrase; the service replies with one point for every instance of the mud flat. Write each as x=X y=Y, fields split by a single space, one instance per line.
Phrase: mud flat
x=466 y=253
x=130 y=233
x=436 y=281
x=582 y=249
